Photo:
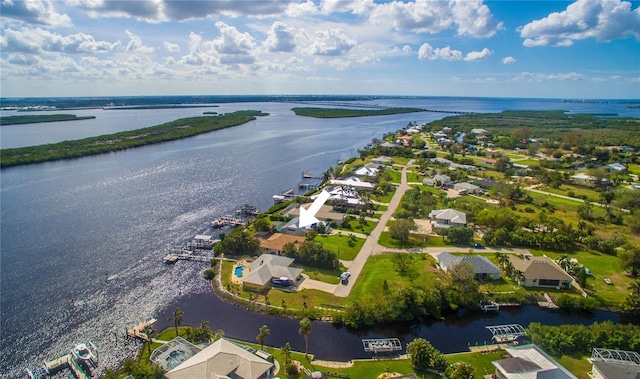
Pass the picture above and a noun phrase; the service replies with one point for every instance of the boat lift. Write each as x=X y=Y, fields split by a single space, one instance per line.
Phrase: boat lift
x=381 y=345
x=506 y=333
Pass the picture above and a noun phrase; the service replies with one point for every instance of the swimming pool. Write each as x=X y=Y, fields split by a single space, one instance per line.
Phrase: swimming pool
x=238 y=271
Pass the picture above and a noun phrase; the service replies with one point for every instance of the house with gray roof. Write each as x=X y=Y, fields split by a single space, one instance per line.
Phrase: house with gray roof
x=446 y=218
x=223 y=359
x=441 y=178
x=467 y=188
x=259 y=274
x=529 y=362
x=485 y=270
x=540 y=272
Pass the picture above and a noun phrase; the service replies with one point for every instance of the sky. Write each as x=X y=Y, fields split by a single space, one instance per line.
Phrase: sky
x=587 y=49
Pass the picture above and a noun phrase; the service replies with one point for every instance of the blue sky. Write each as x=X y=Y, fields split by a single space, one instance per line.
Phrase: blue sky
x=550 y=49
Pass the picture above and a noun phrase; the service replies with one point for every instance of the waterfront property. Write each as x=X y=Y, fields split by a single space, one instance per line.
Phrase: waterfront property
x=446 y=218
x=540 y=272
x=223 y=359
x=484 y=269
x=615 y=364
x=274 y=243
x=270 y=269
x=173 y=353
x=529 y=361
x=325 y=213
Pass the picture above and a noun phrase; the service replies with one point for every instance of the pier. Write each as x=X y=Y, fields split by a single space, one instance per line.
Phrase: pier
x=137 y=331
x=227 y=221
x=284 y=196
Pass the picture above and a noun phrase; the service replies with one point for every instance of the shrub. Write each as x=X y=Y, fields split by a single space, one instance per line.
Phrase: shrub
x=209 y=274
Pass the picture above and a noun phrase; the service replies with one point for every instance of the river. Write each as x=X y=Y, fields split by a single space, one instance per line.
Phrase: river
x=82 y=240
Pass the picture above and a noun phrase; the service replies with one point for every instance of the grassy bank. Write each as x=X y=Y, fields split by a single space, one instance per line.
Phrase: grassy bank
x=35 y=119
x=178 y=129
x=339 y=112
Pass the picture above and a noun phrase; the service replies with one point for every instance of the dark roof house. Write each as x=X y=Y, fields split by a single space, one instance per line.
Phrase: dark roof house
x=483 y=267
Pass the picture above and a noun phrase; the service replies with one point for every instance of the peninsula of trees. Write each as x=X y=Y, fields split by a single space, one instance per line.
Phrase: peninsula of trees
x=174 y=130
x=34 y=119
x=339 y=112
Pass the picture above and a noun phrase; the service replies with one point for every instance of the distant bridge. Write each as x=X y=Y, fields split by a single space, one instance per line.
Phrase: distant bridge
x=370 y=106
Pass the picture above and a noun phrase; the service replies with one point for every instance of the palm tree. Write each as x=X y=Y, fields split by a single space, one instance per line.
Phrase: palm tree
x=219 y=334
x=263 y=332
x=305 y=330
x=204 y=330
x=518 y=276
x=508 y=269
x=148 y=331
x=286 y=350
x=176 y=318
x=502 y=259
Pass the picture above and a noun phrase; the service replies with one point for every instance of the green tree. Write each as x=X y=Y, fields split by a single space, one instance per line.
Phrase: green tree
x=286 y=350
x=403 y=263
x=461 y=370
x=401 y=229
x=425 y=356
x=148 y=332
x=176 y=318
x=292 y=371
x=630 y=261
x=263 y=332
x=305 y=330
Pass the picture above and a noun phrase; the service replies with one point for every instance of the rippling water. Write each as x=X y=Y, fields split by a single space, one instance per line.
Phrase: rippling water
x=67 y=227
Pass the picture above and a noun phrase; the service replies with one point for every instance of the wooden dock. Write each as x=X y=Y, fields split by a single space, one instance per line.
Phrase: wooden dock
x=138 y=330
x=227 y=221
x=549 y=304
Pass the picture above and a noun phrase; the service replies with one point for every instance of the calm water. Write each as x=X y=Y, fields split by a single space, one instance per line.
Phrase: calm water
x=94 y=229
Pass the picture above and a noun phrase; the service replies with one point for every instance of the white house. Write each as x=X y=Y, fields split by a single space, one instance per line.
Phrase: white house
x=353 y=182
x=436 y=179
x=446 y=218
x=467 y=188
x=367 y=170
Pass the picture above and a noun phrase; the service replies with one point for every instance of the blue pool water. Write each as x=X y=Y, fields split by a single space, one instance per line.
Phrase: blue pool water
x=238 y=271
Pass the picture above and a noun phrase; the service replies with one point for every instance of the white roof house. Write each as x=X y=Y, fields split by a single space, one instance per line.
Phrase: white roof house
x=352 y=182
x=222 y=360
x=470 y=188
x=366 y=171
x=530 y=362
x=446 y=218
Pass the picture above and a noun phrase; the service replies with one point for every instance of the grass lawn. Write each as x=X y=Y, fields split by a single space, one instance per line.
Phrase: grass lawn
x=602 y=266
x=414 y=241
x=385 y=199
x=578 y=366
x=413 y=177
x=401 y=160
x=529 y=162
x=354 y=226
x=371 y=369
x=396 y=176
x=480 y=361
x=634 y=168
x=381 y=267
x=335 y=242
x=592 y=195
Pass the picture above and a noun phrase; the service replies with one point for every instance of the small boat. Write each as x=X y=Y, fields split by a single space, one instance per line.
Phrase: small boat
x=608 y=281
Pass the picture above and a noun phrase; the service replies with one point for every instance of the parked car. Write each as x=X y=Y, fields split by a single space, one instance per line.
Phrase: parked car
x=345 y=275
x=477 y=246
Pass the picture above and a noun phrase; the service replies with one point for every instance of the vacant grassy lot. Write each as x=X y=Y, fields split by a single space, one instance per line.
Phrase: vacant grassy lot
x=340 y=243
x=355 y=227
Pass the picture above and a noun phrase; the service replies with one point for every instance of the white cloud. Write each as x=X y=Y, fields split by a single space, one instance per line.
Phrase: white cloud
x=135 y=44
x=233 y=47
x=171 y=47
x=426 y=52
x=358 y=7
x=281 y=37
x=34 y=12
x=533 y=77
x=331 y=42
x=478 y=55
x=508 y=60
x=166 y=10
x=604 y=20
x=340 y=64
x=474 y=19
x=35 y=41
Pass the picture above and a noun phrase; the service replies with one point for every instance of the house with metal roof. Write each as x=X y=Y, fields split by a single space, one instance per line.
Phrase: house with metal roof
x=260 y=273
x=529 y=362
x=484 y=269
x=446 y=218
x=221 y=360
x=614 y=364
x=540 y=272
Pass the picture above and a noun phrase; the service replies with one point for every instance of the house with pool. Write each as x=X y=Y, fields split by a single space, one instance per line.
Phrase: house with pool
x=268 y=270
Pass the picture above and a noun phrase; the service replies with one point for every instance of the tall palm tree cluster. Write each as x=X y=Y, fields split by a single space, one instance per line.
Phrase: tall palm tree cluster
x=506 y=265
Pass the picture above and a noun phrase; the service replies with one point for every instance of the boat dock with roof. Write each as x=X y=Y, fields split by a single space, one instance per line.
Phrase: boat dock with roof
x=82 y=361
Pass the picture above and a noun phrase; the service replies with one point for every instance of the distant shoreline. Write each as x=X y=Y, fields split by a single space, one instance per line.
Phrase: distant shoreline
x=37 y=119
x=171 y=131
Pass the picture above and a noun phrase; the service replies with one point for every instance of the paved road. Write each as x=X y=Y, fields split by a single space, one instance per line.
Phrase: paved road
x=533 y=189
x=371 y=244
